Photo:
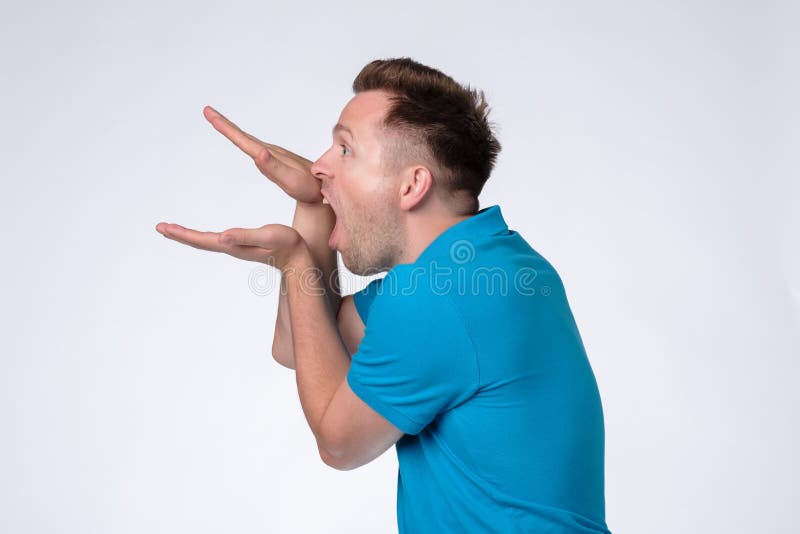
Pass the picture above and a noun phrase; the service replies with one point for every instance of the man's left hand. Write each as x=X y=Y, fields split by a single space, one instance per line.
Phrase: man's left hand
x=277 y=245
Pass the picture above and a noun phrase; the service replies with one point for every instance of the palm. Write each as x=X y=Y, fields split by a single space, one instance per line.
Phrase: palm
x=273 y=244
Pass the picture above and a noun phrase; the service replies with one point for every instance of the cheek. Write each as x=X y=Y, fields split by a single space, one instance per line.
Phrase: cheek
x=377 y=195
x=363 y=187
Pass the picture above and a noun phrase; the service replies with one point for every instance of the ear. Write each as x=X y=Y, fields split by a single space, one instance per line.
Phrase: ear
x=415 y=185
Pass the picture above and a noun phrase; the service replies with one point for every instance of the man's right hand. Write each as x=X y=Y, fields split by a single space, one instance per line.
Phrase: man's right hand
x=291 y=172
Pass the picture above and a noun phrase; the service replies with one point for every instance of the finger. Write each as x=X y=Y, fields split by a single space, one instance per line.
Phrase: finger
x=254 y=244
x=290 y=155
x=211 y=241
x=289 y=171
x=247 y=143
x=201 y=240
x=212 y=114
x=282 y=167
x=280 y=171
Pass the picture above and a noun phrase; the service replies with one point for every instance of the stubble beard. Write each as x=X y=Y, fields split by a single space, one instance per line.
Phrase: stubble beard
x=375 y=240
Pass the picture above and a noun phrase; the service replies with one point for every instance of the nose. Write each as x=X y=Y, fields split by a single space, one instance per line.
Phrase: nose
x=320 y=169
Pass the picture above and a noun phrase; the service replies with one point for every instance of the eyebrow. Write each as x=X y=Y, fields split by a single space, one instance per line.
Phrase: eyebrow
x=339 y=126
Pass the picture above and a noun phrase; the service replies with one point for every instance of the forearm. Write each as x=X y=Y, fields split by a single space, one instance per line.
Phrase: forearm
x=314 y=223
x=321 y=358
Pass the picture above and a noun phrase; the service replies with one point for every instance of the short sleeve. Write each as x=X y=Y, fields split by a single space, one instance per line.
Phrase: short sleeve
x=415 y=361
x=363 y=298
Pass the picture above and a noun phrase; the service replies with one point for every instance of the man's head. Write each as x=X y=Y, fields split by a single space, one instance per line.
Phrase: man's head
x=412 y=142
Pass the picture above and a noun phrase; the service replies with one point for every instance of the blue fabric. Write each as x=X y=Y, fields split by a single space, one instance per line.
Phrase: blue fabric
x=473 y=352
x=363 y=299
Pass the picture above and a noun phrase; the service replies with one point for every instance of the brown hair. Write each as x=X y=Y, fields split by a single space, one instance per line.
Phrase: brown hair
x=436 y=120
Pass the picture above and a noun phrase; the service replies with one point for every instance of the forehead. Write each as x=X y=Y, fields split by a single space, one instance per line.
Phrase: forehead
x=365 y=110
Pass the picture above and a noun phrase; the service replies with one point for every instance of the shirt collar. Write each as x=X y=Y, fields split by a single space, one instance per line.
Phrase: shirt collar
x=459 y=238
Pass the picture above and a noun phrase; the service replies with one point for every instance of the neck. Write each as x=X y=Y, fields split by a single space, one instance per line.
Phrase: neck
x=422 y=230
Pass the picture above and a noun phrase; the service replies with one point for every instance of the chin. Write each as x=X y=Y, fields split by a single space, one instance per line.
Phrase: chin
x=358 y=270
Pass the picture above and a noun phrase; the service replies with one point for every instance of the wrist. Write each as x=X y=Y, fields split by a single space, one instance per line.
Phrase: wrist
x=314 y=206
x=299 y=259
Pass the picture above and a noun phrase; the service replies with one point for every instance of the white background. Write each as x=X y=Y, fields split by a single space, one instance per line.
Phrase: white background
x=645 y=154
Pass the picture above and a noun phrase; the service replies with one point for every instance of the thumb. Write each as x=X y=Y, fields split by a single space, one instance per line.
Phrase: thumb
x=273 y=168
x=236 y=236
x=252 y=237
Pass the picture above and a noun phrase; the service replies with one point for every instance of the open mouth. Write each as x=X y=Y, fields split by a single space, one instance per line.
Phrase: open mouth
x=332 y=237
x=334 y=231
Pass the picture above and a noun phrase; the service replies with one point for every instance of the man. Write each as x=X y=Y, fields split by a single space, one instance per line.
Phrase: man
x=465 y=356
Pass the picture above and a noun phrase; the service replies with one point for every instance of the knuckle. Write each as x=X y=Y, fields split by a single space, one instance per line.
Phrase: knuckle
x=262 y=155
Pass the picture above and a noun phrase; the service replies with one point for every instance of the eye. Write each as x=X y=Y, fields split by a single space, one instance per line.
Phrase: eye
x=344 y=149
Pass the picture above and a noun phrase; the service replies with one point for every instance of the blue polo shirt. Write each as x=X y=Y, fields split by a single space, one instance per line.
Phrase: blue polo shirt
x=472 y=351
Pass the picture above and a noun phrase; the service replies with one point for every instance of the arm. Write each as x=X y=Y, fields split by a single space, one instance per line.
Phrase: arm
x=324 y=329
x=314 y=222
x=351 y=327
x=349 y=432
x=350 y=324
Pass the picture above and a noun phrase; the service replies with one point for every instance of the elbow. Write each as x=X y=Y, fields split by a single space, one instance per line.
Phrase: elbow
x=335 y=449
x=337 y=462
x=281 y=354
x=286 y=362
x=337 y=455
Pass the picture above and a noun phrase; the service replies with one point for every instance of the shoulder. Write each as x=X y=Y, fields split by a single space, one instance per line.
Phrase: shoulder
x=408 y=312
x=405 y=290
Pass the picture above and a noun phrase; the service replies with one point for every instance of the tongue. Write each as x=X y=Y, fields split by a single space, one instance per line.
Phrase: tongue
x=332 y=237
